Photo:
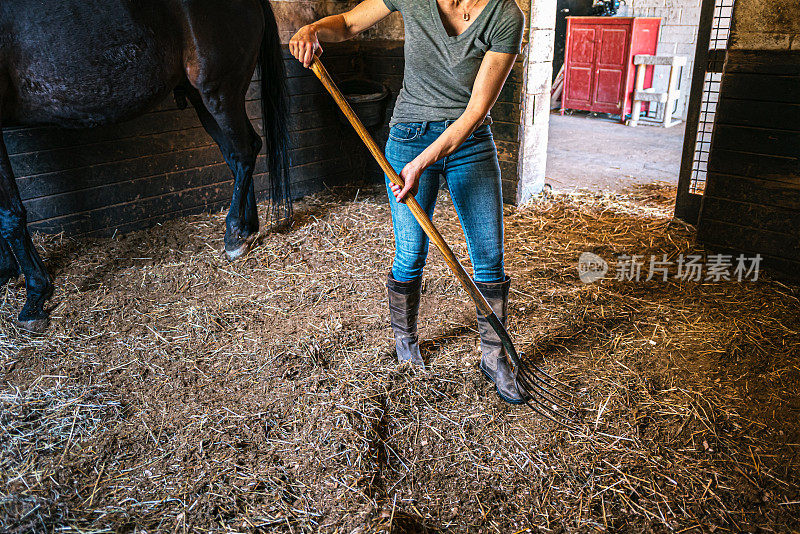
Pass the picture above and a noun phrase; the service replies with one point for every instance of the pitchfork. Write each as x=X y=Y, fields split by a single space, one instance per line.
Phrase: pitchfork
x=546 y=395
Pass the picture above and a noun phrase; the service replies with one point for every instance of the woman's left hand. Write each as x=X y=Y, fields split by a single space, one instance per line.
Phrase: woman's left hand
x=410 y=175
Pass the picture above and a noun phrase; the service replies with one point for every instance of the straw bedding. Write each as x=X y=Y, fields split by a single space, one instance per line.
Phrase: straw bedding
x=176 y=392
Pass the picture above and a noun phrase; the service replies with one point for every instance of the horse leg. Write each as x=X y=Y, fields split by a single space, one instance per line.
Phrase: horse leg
x=14 y=231
x=9 y=268
x=249 y=217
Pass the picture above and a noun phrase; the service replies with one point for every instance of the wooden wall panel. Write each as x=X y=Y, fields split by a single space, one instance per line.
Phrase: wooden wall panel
x=506 y=129
x=752 y=198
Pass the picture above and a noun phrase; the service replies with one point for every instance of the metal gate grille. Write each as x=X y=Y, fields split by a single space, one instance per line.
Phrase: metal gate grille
x=718 y=43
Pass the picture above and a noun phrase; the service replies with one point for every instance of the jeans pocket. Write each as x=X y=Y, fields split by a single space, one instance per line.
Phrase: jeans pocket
x=403 y=132
x=482 y=132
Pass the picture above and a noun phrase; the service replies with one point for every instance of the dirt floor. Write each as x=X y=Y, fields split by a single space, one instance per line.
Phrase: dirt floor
x=176 y=392
x=596 y=152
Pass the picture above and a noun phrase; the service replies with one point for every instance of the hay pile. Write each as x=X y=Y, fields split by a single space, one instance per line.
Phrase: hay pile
x=175 y=392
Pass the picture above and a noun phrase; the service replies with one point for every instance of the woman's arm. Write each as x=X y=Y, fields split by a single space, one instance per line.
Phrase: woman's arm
x=492 y=74
x=335 y=28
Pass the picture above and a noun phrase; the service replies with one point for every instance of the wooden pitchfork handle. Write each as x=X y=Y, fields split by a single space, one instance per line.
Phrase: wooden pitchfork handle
x=484 y=309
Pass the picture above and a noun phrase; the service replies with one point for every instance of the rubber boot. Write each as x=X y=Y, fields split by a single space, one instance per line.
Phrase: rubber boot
x=494 y=362
x=403 y=310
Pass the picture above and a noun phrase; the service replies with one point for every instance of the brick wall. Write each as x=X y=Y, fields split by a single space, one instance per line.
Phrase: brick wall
x=679 y=23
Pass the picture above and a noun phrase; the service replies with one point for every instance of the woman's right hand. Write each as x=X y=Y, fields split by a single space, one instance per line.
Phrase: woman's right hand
x=305 y=44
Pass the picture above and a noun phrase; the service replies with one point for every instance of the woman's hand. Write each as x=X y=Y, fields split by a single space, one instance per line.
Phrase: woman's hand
x=335 y=28
x=305 y=44
x=410 y=175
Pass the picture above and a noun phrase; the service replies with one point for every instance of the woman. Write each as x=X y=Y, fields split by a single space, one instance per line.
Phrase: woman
x=458 y=54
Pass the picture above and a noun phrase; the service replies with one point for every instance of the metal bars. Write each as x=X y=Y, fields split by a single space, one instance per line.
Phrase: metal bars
x=717 y=44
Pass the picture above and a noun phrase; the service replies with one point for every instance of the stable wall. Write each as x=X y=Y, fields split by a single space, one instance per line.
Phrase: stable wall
x=164 y=165
x=751 y=202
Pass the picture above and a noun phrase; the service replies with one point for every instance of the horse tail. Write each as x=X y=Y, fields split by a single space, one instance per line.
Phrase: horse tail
x=275 y=117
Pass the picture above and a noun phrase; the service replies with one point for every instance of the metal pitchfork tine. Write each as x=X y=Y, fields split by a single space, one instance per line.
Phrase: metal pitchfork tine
x=544 y=394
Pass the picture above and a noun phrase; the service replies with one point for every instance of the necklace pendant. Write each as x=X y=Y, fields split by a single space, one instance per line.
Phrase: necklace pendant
x=466 y=16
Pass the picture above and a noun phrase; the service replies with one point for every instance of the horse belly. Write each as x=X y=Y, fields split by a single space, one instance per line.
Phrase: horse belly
x=104 y=71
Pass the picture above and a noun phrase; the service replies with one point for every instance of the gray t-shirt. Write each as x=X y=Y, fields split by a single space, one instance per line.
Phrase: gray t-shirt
x=440 y=70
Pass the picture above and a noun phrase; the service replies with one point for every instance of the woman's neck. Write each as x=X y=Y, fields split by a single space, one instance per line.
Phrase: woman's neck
x=458 y=15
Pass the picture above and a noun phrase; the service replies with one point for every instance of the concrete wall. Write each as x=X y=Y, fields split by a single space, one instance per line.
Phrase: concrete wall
x=766 y=25
x=536 y=100
x=679 y=23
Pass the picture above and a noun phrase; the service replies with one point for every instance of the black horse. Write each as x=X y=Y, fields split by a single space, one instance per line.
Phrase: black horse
x=83 y=63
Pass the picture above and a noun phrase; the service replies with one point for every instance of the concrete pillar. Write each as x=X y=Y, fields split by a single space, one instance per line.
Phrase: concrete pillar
x=536 y=100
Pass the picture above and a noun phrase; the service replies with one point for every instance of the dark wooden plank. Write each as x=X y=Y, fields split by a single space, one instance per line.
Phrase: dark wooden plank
x=768 y=266
x=48 y=159
x=773 y=219
x=509 y=188
x=757 y=140
x=299 y=190
x=507 y=150
x=761 y=87
x=747 y=240
x=763 y=192
x=506 y=112
x=517 y=74
x=508 y=172
x=777 y=115
x=114 y=194
x=382 y=48
x=376 y=66
x=69 y=158
x=761 y=166
x=87 y=178
x=782 y=62
x=35 y=139
x=336 y=61
x=141 y=208
x=511 y=92
x=103 y=195
x=304 y=85
x=506 y=131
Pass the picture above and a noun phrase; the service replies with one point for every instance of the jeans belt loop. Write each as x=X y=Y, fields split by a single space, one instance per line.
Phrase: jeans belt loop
x=423 y=128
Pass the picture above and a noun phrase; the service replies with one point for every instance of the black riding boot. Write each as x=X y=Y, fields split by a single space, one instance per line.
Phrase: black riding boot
x=403 y=309
x=494 y=363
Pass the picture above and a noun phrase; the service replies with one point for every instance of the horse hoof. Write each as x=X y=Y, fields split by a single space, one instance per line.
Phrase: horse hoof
x=35 y=326
x=241 y=250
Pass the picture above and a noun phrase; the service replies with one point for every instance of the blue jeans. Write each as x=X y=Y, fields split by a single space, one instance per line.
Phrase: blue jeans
x=472 y=174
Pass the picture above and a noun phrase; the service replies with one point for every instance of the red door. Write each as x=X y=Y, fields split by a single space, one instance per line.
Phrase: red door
x=580 y=68
x=610 y=69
